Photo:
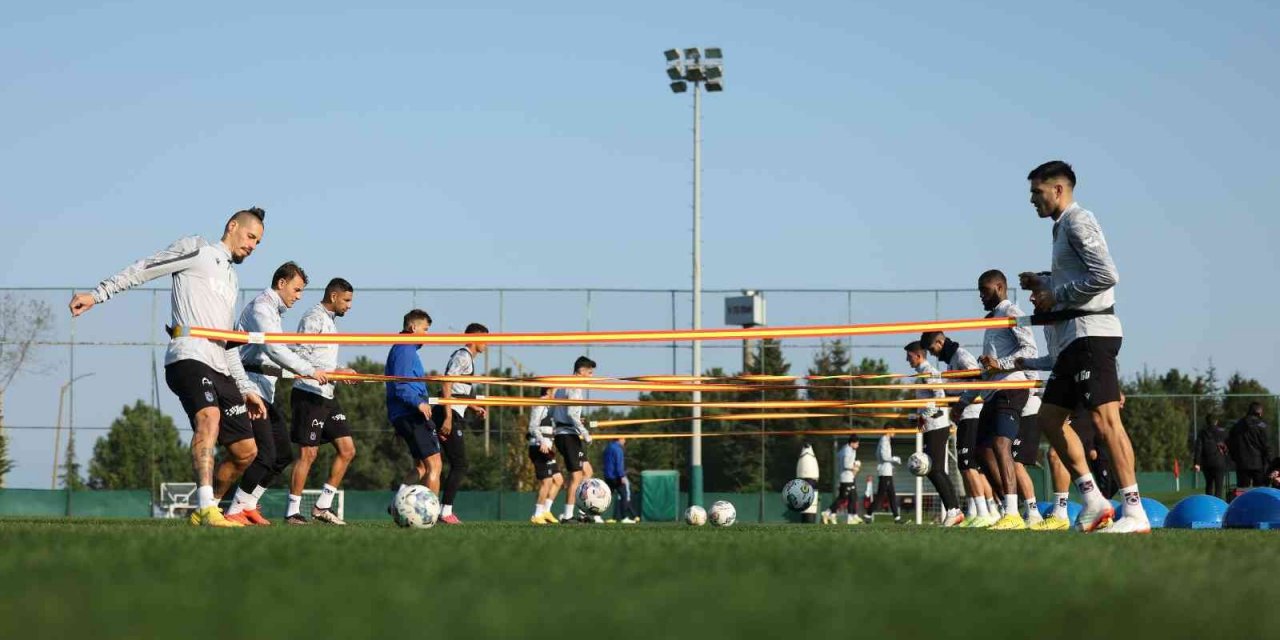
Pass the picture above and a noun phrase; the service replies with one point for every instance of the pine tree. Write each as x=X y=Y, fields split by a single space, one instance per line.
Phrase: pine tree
x=71 y=478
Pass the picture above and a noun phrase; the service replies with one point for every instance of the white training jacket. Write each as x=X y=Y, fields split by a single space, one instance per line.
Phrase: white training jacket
x=540 y=428
x=935 y=416
x=962 y=360
x=461 y=363
x=1007 y=345
x=321 y=356
x=884 y=456
x=847 y=459
x=1084 y=276
x=204 y=293
x=263 y=314
x=568 y=419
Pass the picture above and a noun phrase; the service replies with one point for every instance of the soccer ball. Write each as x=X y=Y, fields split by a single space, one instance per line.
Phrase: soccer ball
x=798 y=495
x=594 y=496
x=417 y=507
x=722 y=514
x=919 y=464
x=695 y=515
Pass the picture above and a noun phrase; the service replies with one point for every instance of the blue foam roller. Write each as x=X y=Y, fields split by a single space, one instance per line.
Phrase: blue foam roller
x=1197 y=512
x=1257 y=509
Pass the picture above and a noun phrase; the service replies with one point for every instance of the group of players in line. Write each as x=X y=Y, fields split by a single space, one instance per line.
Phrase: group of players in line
x=228 y=390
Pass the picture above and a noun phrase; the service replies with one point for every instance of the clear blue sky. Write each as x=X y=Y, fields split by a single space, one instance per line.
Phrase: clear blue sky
x=856 y=146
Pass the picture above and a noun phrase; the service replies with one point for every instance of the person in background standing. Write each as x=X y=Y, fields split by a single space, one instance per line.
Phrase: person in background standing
x=615 y=475
x=1210 y=456
x=1249 y=449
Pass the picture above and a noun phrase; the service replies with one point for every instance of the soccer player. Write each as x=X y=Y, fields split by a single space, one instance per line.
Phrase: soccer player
x=845 y=502
x=932 y=420
x=408 y=409
x=1081 y=291
x=317 y=416
x=452 y=436
x=980 y=497
x=1001 y=410
x=571 y=434
x=884 y=486
x=208 y=378
x=615 y=475
x=543 y=456
x=264 y=364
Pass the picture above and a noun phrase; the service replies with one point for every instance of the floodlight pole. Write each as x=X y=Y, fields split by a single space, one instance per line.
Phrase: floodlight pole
x=695 y=452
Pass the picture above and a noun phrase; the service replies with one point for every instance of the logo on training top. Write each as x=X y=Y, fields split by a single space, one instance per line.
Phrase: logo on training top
x=237 y=410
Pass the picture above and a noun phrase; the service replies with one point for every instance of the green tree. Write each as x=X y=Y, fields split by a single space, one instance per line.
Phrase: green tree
x=71 y=478
x=141 y=450
x=6 y=465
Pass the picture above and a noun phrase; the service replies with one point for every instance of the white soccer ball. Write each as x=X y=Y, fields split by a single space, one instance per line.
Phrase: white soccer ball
x=798 y=495
x=418 y=507
x=594 y=496
x=695 y=515
x=919 y=464
x=722 y=514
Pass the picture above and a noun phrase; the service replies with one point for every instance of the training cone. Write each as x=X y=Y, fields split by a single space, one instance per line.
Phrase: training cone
x=1256 y=509
x=1197 y=512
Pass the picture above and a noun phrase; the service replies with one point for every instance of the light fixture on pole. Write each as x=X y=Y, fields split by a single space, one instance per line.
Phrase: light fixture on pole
x=692 y=67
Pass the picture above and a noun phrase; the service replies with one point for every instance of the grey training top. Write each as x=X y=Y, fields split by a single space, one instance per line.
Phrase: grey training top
x=263 y=315
x=1084 y=276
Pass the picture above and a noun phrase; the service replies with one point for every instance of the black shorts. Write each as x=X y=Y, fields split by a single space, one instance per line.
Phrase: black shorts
x=1026 y=447
x=317 y=419
x=1000 y=415
x=967 y=444
x=470 y=419
x=419 y=434
x=544 y=464
x=570 y=447
x=199 y=387
x=272 y=436
x=1085 y=374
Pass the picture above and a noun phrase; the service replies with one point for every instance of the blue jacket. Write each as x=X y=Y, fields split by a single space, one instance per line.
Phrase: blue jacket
x=613 y=465
x=403 y=398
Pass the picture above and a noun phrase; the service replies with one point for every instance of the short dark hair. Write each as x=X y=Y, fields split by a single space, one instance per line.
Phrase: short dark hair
x=287 y=272
x=476 y=327
x=252 y=212
x=337 y=285
x=914 y=347
x=1255 y=408
x=993 y=275
x=853 y=437
x=928 y=337
x=583 y=362
x=1053 y=169
x=416 y=315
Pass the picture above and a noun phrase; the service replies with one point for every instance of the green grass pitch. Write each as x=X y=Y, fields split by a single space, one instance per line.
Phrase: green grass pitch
x=165 y=579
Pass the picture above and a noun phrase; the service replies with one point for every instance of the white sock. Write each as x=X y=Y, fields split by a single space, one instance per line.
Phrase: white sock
x=1060 y=504
x=538 y=509
x=295 y=506
x=568 y=512
x=983 y=508
x=205 y=496
x=1010 y=503
x=1031 y=507
x=325 y=500
x=993 y=507
x=446 y=510
x=1088 y=488
x=257 y=495
x=242 y=502
x=1133 y=503
x=972 y=508
x=546 y=506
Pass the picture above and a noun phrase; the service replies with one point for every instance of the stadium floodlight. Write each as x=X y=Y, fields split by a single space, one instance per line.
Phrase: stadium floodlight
x=695 y=71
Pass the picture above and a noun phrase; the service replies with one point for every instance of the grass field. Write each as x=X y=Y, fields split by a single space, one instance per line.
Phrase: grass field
x=141 y=579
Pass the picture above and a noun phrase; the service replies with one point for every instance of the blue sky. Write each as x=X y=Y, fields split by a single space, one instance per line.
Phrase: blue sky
x=856 y=146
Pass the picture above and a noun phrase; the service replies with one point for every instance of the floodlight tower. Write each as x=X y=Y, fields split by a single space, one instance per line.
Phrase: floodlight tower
x=696 y=67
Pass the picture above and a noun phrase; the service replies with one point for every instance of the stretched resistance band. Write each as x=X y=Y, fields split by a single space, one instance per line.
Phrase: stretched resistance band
x=743 y=434
x=734 y=417
x=509 y=401
x=959 y=373
x=595 y=337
